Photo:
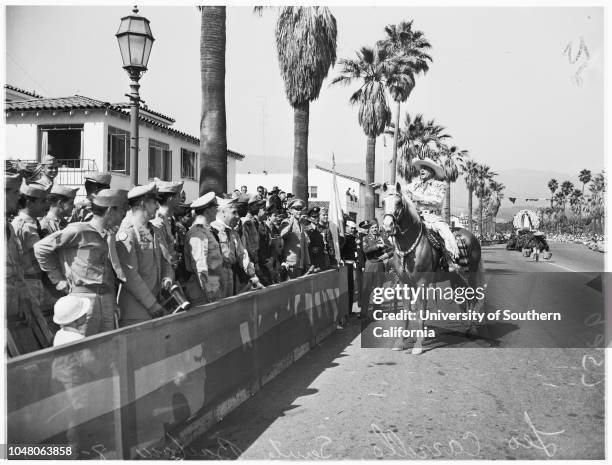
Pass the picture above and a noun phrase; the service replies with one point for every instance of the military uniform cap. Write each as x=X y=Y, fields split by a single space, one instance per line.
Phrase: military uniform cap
x=110 y=198
x=34 y=190
x=350 y=224
x=314 y=211
x=64 y=191
x=296 y=203
x=207 y=200
x=141 y=191
x=169 y=187
x=365 y=224
x=99 y=178
x=324 y=210
x=254 y=198
x=49 y=160
x=12 y=181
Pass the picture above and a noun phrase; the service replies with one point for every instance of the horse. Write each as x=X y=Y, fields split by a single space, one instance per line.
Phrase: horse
x=418 y=263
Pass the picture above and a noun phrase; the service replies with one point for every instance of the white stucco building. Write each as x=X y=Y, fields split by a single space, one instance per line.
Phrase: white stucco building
x=85 y=135
x=320 y=189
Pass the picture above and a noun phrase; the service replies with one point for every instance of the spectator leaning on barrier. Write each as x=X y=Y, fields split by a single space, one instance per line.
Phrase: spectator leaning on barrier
x=82 y=259
x=94 y=183
x=203 y=258
x=61 y=204
x=139 y=249
x=32 y=204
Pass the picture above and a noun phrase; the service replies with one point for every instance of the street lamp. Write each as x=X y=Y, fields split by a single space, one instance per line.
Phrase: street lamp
x=135 y=42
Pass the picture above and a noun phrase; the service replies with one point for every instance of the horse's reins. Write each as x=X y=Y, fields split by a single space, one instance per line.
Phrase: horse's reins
x=404 y=253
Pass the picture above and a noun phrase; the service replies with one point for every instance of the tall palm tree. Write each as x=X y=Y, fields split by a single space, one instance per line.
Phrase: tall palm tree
x=374 y=114
x=419 y=139
x=597 y=201
x=585 y=178
x=553 y=185
x=402 y=41
x=470 y=172
x=213 y=127
x=482 y=190
x=306 y=48
x=453 y=160
x=575 y=200
x=566 y=189
x=495 y=199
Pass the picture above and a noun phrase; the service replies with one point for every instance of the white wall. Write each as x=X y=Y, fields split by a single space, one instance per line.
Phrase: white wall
x=21 y=140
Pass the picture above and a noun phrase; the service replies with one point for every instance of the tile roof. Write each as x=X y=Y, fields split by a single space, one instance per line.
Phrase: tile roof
x=79 y=102
x=147 y=109
x=26 y=92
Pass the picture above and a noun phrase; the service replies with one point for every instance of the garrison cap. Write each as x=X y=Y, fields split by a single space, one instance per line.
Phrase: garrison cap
x=254 y=198
x=141 y=191
x=365 y=224
x=224 y=203
x=207 y=200
x=99 y=178
x=296 y=203
x=110 y=198
x=34 y=190
x=12 y=181
x=64 y=191
x=164 y=187
x=350 y=224
x=49 y=160
x=314 y=211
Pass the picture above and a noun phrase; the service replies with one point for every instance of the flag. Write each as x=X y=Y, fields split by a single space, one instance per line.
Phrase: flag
x=336 y=217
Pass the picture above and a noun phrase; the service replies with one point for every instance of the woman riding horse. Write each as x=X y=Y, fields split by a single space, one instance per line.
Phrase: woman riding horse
x=416 y=261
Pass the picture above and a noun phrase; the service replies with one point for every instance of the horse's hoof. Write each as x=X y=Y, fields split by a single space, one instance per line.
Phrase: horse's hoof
x=417 y=350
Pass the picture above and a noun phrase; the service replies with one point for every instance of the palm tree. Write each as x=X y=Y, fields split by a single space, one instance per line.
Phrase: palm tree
x=495 y=199
x=453 y=160
x=482 y=190
x=306 y=48
x=575 y=201
x=213 y=135
x=585 y=178
x=566 y=189
x=374 y=115
x=402 y=41
x=419 y=139
x=470 y=172
x=553 y=185
x=597 y=201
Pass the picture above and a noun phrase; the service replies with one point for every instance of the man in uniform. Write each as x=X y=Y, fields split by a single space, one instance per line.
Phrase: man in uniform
x=250 y=228
x=48 y=172
x=139 y=250
x=328 y=239
x=61 y=204
x=94 y=183
x=32 y=204
x=203 y=257
x=316 y=242
x=295 y=255
x=169 y=198
x=364 y=227
x=348 y=254
x=82 y=259
x=234 y=254
x=428 y=192
x=182 y=223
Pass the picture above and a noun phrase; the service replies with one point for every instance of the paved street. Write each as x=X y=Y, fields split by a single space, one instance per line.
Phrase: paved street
x=340 y=401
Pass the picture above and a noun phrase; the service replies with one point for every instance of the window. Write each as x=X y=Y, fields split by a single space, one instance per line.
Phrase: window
x=188 y=164
x=313 y=192
x=160 y=160
x=62 y=141
x=118 y=150
x=377 y=200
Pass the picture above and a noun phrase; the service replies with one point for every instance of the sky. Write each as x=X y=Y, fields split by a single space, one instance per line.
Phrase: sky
x=502 y=81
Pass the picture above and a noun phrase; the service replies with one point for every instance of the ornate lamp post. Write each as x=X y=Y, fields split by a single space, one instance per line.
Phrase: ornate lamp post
x=135 y=42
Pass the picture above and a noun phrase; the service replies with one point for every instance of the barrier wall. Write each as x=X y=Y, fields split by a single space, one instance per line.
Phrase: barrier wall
x=123 y=394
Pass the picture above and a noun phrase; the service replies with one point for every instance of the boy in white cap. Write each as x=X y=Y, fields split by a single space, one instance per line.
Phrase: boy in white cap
x=70 y=313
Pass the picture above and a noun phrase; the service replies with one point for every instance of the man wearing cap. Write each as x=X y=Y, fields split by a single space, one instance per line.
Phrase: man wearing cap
x=182 y=223
x=364 y=226
x=348 y=254
x=235 y=258
x=48 y=172
x=169 y=199
x=377 y=250
x=330 y=254
x=32 y=204
x=203 y=257
x=61 y=204
x=18 y=297
x=139 y=250
x=296 y=259
x=428 y=192
x=316 y=242
x=269 y=251
x=250 y=228
x=82 y=260
x=94 y=183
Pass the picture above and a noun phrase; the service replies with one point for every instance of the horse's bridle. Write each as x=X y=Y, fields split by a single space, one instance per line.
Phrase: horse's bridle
x=402 y=253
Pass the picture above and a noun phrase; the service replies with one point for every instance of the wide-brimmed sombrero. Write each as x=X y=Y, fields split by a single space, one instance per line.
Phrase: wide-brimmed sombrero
x=429 y=163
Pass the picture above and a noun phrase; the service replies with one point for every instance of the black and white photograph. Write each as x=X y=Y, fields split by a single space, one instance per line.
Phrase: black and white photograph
x=315 y=232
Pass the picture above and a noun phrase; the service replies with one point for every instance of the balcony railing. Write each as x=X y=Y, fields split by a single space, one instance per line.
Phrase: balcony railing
x=71 y=171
